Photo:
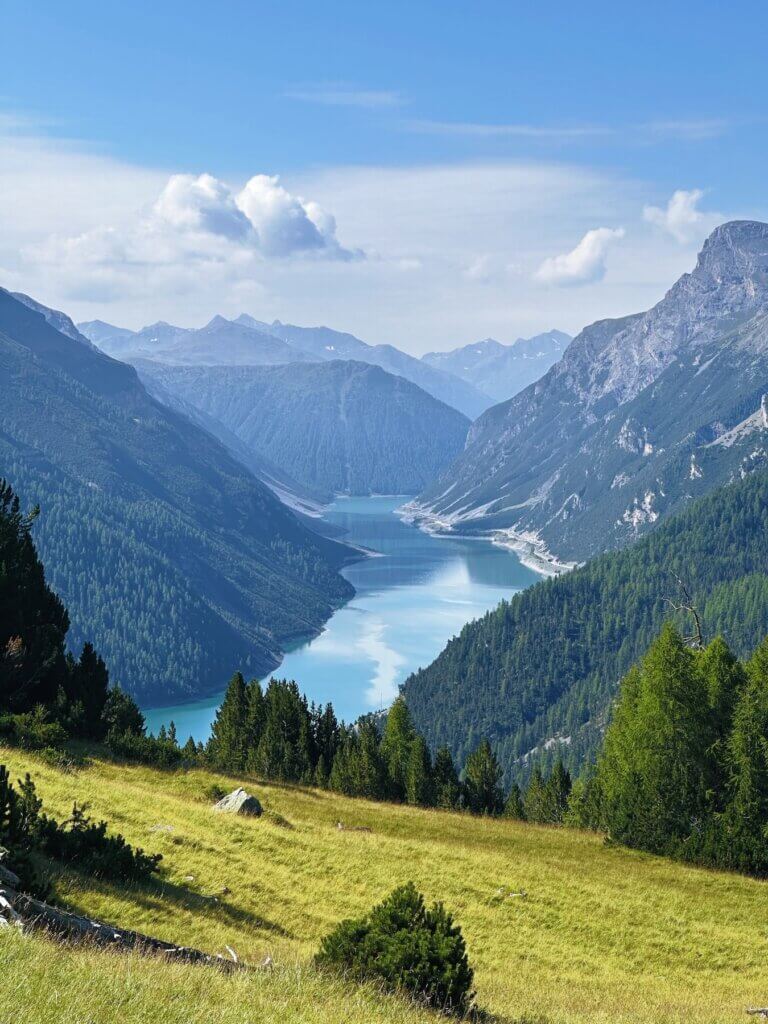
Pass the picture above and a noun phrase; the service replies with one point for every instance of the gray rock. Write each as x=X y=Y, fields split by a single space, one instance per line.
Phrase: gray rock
x=240 y=802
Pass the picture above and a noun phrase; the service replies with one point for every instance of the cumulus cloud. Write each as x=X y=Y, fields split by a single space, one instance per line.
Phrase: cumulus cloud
x=286 y=224
x=582 y=265
x=680 y=218
x=200 y=220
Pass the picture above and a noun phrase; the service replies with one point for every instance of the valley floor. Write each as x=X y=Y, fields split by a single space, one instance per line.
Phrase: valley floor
x=601 y=934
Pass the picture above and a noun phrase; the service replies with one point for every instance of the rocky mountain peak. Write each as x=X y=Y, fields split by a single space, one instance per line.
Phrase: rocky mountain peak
x=735 y=250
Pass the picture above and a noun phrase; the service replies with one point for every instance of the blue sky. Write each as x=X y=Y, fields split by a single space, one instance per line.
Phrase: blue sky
x=463 y=150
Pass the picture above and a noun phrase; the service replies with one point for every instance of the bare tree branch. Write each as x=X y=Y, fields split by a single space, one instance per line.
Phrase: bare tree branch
x=684 y=603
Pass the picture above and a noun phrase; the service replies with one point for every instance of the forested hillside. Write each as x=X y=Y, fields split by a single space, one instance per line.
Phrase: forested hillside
x=339 y=426
x=168 y=553
x=539 y=673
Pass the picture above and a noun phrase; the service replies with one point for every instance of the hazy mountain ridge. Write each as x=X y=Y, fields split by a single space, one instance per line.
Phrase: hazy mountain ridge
x=637 y=418
x=247 y=341
x=340 y=426
x=172 y=557
x=499 y=370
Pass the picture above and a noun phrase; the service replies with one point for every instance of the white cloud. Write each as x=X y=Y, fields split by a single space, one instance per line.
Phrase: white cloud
x=203 y=204
x=691 y=130
x=481 y=130
x=681 y=218
x=197 y=225
x=286 y=224
x=339 y=95
x=450 y=248
x=582 y=265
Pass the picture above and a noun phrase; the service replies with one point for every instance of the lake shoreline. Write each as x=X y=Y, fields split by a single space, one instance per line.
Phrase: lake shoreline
x=413 y=592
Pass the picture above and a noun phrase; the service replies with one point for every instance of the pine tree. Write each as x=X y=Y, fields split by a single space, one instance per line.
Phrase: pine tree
x=557 y=791
x=227 y=745
x=88 y=686
x=370 y=768
x=724 y=679
x=482 y=781
x=535 y=799
x=738 y=839
x=419 y=788
x=396 y=747
x=657 y=757
x=33 y=621
x=447 y=787
x=514 y=807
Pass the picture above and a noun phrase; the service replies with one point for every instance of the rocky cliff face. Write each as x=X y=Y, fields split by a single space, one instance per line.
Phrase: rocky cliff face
x=629 y=424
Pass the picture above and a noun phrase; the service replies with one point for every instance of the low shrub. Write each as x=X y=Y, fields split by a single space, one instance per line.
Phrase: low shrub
x=32 y=730
x=148 y=750
x=63 y=760
x=27 y=835
x=409 y=948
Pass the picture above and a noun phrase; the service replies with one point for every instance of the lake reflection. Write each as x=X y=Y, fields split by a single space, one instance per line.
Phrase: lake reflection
x=411 y=599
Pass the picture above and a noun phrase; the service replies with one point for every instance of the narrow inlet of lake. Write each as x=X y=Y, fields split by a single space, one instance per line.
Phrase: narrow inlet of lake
x=411 y=598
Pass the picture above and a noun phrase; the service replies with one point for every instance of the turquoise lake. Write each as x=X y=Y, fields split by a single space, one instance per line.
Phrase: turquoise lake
x=410 y=600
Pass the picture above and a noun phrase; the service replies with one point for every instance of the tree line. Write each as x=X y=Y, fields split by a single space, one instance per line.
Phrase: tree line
x=274 y=732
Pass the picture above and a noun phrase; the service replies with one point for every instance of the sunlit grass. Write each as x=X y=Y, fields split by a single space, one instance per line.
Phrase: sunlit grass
x=601 y=934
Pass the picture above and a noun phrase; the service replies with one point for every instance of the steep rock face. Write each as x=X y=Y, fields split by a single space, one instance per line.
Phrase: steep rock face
x=170 y=555
x=340 y=426
x=625 y=427
x=502 y=371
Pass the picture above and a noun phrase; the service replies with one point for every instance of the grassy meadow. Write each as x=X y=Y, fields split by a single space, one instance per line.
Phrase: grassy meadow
x=601 y=934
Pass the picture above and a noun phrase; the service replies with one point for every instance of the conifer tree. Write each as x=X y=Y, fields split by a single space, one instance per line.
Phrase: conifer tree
x=724 y=679
x=227 y=745
x=514 y=807
x=482 y=781
x=419 y=783
x=88 y=686
x=739 y=840
x=535 y=798
x=396 y=747
x=327 y=738
x=557 y=791
x=656 y=760
x=370 y=769
x=447 y=788
x=33 y=621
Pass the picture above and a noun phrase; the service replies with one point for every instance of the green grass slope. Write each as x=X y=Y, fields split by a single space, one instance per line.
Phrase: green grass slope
x=603 y=935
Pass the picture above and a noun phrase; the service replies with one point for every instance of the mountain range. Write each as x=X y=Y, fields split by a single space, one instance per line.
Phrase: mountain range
x=502 y=371
x=172 y=557
x=340 y=426
x=640 y=415
x=246 y=341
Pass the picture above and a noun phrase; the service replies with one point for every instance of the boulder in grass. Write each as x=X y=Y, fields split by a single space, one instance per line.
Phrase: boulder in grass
x=239 y=802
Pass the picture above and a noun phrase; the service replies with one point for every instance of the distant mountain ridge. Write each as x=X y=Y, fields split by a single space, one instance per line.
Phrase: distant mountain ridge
x=502 y=371
x=247 y=341
x=341 y=426
x=640 y=415
x=171 y=556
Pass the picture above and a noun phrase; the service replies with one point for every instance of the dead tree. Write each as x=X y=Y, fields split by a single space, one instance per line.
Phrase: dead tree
x=25 y=912
x=684 y=603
